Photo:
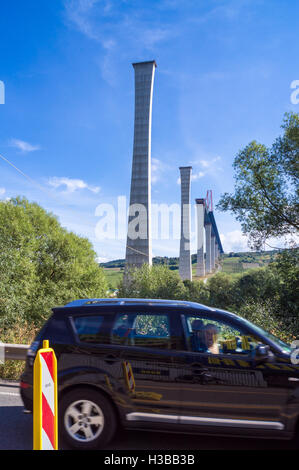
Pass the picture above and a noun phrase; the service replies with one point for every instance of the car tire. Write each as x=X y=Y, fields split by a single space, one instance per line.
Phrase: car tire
x=87 y=419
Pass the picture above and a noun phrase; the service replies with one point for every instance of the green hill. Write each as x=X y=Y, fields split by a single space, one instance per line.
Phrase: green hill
x=230 y=263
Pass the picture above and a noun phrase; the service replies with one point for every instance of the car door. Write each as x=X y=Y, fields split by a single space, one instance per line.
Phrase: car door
x=150 y=353
x=90 y=358
x=226 y=388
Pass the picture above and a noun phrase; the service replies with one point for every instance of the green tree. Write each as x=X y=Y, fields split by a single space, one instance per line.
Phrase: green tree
x=196 y=291
x=221 y=290
x=41 y=264
x=266 y=196
x=152 y=282
x=264 y=314
x=258 y=284
x=285 y=267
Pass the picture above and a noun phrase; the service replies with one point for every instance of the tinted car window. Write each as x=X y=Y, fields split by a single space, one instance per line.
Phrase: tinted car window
x=56 y=330
x=88 y=328
x=217 y=337
x=134 y=329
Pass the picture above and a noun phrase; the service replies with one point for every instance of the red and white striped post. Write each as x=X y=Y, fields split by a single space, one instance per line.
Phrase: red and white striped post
x=45 y=435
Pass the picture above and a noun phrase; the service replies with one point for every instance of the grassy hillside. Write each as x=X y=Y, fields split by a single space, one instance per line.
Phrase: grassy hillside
x=239 y=262
x=231 y=263
x=113 y=276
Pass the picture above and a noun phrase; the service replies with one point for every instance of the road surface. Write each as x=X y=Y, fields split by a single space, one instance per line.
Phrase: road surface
x=16 y=433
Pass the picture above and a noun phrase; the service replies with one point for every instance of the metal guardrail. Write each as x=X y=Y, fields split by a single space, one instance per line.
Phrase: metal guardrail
x=13 y=351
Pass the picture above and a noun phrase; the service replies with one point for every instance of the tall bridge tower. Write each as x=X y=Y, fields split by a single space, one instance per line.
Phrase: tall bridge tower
x=139 y=242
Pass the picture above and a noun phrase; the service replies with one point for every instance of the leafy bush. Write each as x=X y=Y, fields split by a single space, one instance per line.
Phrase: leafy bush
x=152 y=282
x=286 y=268
x=42 y=264
x=266 y=296
x=19 y=332
x=259 y=284
x=196 y=291
x=264 y=314
x=221 y=290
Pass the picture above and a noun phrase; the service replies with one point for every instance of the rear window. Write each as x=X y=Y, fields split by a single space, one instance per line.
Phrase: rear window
x=88 y=328
x=56 y=331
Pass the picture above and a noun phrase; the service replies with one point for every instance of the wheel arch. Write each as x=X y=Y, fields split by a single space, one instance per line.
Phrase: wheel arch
x=72 y=387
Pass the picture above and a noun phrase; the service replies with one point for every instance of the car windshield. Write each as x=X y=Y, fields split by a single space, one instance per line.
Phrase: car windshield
x=281 y=344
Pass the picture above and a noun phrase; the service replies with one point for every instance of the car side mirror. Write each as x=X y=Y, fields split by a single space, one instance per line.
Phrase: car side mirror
x=263 y=354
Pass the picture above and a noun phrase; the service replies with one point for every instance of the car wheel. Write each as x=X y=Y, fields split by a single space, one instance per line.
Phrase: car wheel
x=86 y=419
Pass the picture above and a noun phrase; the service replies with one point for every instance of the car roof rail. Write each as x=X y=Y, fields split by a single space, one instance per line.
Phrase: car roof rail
x=109 y=301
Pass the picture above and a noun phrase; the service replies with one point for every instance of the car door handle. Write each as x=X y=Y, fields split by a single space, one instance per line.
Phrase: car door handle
x=199 y=371
x=110 y=359
x=202 y=373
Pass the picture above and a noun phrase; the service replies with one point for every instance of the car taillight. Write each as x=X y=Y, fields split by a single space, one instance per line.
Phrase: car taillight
x=24 y=384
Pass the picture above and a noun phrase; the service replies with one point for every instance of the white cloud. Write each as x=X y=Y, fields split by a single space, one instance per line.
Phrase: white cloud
x=234 y=241
x=87 y=16
x=102 y=259
x=153 y=36
x=208 y=163
x=109 y=44
x=2 y=191
x=288 y=241
x=23 y=146
x=158 y=168
x=229 y=10
x=201 y=167
x=71 y=185
x=194 y=176
x=104 y=22
x=197 y=176
x=78 y=12
x=204 y=163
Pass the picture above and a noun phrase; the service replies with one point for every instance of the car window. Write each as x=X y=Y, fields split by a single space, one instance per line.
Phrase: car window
x=134 y=329
x=217 y=337
x=57 y=331
x=88 y=328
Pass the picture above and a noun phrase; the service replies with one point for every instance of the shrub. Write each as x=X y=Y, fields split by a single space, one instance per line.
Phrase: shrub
x=152 y=282
x=42 y=264
x=264 y=314
x=20 y=331
x=259 y=283
x=221 y=287
x=197 y=291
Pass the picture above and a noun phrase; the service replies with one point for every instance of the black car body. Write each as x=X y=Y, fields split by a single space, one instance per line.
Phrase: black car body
x=146 y=364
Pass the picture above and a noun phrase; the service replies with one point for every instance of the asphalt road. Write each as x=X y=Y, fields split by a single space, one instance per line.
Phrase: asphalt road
x=16 y=433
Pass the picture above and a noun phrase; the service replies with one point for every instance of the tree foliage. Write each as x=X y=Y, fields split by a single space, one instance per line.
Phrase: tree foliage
x=41 y=264
x=286 y=269
x=152 y=282
x=266 y=196
x=268 y=296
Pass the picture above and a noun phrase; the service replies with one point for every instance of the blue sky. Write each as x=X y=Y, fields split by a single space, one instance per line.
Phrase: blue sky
x=224 y=73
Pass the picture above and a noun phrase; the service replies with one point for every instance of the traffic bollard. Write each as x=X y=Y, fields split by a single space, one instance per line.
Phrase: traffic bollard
x=45 y=428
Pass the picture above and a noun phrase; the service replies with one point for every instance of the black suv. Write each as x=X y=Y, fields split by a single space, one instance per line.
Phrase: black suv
x=167 y=365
